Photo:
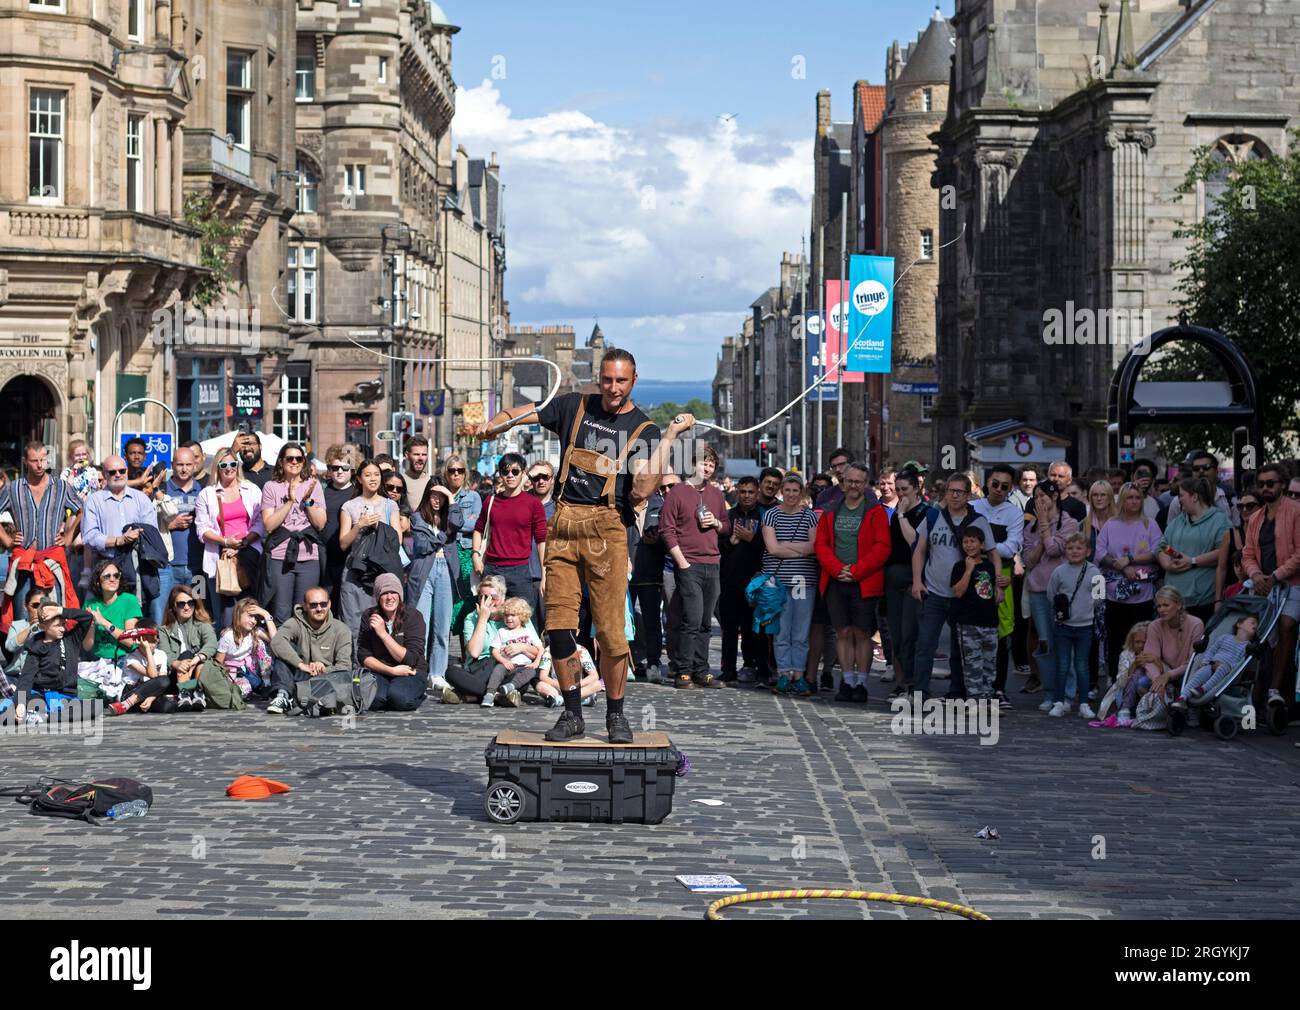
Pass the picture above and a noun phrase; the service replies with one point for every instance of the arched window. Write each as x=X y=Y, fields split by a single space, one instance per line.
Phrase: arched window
x=308 y=186
x=1228 y=155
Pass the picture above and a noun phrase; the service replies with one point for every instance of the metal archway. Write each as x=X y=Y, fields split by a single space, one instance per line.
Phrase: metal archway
x=1234 y=401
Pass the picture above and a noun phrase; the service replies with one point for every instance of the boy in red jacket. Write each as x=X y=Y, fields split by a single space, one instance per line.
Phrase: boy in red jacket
x=852 y=548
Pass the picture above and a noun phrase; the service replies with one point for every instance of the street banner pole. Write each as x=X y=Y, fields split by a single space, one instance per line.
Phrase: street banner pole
x=803 y=359
x=844 y=322
x=821 y=358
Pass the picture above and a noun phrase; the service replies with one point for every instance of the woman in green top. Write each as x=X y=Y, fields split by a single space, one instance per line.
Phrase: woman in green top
x=1194 y=550
x=114 y=612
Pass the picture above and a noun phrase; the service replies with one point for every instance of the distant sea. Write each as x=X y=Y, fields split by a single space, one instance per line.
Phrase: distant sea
x=652 y=392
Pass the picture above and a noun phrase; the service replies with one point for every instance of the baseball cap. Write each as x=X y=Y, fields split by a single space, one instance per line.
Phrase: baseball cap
x=915 y=467
x=253 y=787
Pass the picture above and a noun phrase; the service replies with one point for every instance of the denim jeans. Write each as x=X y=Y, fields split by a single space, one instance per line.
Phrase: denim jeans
x=1073 y=646
x=434 y=606
x=697 y=588
x=791 y=642
x=170 y=576
x=1040 y=610
x=929 y=625
x=289 y=588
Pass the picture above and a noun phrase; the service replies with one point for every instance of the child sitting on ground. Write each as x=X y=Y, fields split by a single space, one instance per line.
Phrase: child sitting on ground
x=1135 y=643
x=136 y=664
x=1224 y=656
x=548 y=687
x=242 y=650
x=516 y=668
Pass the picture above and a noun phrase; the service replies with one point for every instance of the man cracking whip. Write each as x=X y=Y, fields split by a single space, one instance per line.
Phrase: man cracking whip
x=613 y=460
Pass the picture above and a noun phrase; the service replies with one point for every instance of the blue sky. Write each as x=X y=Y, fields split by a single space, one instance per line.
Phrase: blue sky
x=627 y=197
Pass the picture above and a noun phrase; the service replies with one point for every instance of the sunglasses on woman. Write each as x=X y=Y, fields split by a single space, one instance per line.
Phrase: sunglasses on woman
x=1249 y=506
x=455 y=469
x=110 y=575
x=295 y=459
x=227 y=466
x=184 y=603
x=394 y=487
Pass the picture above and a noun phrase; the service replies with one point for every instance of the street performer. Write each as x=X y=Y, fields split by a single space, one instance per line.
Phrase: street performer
x=613 y=460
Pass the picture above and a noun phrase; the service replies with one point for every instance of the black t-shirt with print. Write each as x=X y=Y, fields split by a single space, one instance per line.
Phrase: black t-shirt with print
x=978 y=606
x=603 y=433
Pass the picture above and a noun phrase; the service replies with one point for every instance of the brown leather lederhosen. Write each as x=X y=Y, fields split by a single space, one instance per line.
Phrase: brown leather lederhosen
x=587 y=545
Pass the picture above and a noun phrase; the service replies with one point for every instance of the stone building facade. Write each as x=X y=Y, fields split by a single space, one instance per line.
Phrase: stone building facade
x=365 y=272
x=758 y=371
x=476 y=317
x=916 y=99
x=1068 y=133
x=92 y=241
x=239 y=172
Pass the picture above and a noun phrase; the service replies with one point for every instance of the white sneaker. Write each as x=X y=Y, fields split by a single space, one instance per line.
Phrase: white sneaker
x=438 y=683
x=1058 y=710
x=1046 y=706
x=1125 y=718
x=1086 y=712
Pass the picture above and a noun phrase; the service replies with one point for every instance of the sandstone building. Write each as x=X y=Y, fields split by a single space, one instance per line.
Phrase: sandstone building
x=1068 y=132
x=916 y=99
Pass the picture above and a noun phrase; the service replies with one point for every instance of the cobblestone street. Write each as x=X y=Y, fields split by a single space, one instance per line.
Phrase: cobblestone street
x=387 y=819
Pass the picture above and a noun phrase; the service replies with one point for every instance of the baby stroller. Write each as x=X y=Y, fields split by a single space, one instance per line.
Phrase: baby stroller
x=1229 y=693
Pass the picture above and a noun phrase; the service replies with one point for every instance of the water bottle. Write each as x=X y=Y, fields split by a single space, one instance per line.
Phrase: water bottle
x=131 y=808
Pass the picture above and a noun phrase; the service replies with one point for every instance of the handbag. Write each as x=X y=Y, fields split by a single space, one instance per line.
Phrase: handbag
x=1061 y=603
x=474 y=577
x=232 y=580
x=1152 y=712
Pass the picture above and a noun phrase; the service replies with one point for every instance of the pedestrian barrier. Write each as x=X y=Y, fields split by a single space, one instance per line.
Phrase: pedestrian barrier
x=821 y=894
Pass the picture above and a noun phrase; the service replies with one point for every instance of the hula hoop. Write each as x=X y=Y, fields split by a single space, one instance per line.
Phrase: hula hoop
x=892 y=899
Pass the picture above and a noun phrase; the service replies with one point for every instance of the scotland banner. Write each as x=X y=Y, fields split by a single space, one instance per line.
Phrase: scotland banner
x=871 y=313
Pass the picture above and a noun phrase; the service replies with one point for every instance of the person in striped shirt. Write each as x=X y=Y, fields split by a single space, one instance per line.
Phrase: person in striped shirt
x=46 y=513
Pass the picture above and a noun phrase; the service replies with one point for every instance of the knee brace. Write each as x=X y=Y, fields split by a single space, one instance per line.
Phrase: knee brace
x=563 y=644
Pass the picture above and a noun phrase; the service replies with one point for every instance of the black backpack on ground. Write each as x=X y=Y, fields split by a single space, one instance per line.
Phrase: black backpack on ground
x=85 y=801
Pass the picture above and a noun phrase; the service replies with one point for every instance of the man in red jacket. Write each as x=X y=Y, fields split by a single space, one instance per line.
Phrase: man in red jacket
x=852 y=548
x=1271 y=557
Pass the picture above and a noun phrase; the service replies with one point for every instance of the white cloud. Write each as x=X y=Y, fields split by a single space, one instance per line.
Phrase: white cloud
x=667 y=235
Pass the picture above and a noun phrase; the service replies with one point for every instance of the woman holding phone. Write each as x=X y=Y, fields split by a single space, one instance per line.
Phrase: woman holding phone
x=359 y=516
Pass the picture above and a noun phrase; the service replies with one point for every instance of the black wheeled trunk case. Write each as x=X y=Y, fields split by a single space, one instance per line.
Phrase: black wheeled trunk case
x=590 y=780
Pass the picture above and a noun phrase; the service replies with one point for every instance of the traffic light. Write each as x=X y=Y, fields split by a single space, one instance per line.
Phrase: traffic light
x=764 y=451
x=525 y=442
x=404 y=426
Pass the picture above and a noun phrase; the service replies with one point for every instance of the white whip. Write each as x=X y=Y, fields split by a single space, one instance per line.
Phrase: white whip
x=559 y=374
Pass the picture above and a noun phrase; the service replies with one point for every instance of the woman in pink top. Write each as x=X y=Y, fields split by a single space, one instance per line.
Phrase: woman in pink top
x=293 y=510
x=228 y=519
x=1126 y=556
x=1043 y=552
x=1168 y=651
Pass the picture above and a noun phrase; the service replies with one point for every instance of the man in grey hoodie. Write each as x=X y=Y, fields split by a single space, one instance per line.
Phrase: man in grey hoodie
x=309 y=644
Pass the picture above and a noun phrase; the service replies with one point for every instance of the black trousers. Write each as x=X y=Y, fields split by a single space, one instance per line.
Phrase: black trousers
x=737 y=619
x=518 y=581
x=649 y=642
x=697 y=589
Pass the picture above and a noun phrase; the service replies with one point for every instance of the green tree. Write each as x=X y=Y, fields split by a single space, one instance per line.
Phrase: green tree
x=214 y=241
x=663 y=414
x=1241 y=276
